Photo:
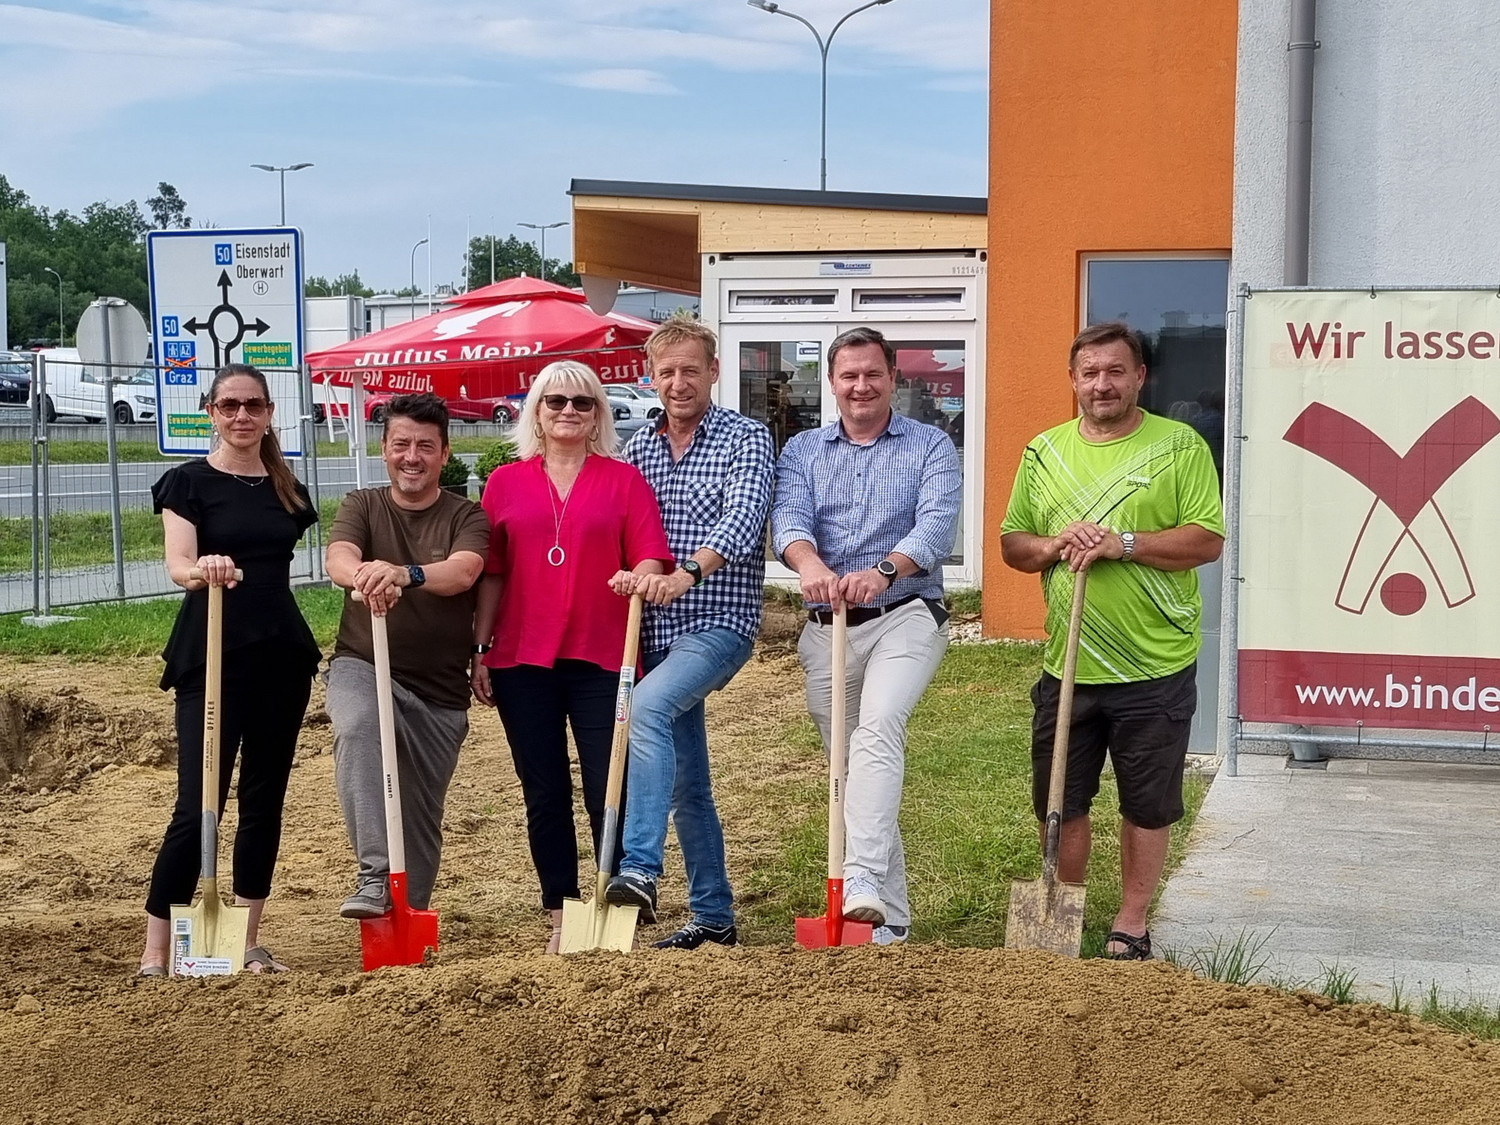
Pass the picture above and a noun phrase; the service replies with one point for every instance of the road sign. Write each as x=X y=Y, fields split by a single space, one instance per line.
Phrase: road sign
x=219 y=297
x=125 y=328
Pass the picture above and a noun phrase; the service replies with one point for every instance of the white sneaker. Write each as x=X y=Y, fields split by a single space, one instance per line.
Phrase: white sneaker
x=890 y=935
x=862 y=903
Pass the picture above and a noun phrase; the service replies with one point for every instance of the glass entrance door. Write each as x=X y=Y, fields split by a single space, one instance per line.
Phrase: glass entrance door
x=774 y=374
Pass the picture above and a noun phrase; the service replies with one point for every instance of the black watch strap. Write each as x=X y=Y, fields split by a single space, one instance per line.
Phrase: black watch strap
x=415 y=573
x=690 y=566
x=887 y=570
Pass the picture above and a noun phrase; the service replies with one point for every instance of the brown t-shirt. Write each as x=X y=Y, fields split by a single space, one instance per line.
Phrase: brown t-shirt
x=430 y=636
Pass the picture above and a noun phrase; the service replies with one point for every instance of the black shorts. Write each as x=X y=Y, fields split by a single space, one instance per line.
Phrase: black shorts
x=1144 y=726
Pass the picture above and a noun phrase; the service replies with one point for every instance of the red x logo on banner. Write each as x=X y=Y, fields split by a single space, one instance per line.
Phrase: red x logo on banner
x=1404 y=487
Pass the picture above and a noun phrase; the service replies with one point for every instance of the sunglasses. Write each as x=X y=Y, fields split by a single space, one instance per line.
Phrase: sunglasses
x=229 y=407
x=584 y=404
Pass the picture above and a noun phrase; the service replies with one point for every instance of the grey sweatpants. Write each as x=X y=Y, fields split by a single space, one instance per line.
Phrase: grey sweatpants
x=427 y=742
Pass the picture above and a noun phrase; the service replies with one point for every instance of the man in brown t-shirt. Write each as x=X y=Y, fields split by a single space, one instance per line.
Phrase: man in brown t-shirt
x=414 y=553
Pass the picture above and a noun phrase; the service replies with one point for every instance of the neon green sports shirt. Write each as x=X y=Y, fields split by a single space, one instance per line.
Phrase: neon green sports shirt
x=1139 y=623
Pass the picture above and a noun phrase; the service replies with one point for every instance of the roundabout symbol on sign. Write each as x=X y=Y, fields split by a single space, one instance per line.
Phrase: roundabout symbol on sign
x=225 y=325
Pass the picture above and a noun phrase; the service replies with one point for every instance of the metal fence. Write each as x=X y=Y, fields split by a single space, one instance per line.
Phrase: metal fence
x=76 y=520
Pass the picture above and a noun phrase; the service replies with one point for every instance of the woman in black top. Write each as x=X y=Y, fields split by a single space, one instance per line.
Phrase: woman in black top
x=240 y=507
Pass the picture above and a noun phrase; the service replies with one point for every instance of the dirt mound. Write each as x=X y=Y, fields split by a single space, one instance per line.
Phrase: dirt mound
x=718 y=1038
x=56 y=740
x=495 y=1034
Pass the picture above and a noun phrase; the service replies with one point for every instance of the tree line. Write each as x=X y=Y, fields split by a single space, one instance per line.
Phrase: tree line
x=101 y=251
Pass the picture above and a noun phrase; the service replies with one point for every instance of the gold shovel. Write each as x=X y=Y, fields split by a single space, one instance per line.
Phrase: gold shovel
x=1047 y=913
x=599 y=924
x=209 y=939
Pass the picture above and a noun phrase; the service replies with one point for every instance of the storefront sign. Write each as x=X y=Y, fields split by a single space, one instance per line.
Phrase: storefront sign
x=1369 y=516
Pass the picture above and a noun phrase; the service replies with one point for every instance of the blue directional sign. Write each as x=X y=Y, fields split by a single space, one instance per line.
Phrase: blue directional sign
x=221 y=297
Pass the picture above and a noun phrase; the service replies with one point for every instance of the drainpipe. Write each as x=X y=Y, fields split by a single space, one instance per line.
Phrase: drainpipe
x=1299 y=120
x=1299 y=139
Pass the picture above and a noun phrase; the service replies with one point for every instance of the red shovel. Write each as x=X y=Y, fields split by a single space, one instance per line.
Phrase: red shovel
x=403 y=936
x=832 y=928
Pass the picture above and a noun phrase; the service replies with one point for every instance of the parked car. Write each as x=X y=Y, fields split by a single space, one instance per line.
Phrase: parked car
x=501 y=411
x=15 y=378
x=640 y=402
x=77 y=390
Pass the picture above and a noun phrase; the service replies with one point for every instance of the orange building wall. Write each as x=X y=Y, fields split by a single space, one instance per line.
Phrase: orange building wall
x=1111 y=129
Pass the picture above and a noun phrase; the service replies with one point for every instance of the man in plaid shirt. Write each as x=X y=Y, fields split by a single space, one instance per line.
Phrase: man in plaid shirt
x=711 y=470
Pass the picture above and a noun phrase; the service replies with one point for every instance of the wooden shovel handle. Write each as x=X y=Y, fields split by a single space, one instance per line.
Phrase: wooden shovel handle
x=1063 y=728
x=838 y=750
x=617 y=750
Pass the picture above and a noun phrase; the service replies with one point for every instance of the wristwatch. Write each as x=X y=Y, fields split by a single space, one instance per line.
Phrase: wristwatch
x=414 y=572
x=1127 y=546
x=691 y=568
x=480 y=650
x=887 y=570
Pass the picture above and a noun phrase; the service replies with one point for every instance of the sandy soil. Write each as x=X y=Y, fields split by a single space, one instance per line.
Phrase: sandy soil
x=495 y=1032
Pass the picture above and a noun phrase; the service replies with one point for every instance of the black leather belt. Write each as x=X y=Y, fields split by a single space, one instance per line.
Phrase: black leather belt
x=858 y=615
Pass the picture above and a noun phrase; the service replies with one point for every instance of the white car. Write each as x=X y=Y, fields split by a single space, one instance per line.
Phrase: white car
x=638 y=402
x=76 y=390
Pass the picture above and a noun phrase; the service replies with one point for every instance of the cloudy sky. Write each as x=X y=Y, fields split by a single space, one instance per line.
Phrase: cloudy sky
x=474 y=112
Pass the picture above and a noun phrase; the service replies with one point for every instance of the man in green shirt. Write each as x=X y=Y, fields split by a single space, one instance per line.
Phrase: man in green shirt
x=1135 y=498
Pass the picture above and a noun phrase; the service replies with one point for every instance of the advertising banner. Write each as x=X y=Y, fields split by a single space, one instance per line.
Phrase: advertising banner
x=1369 y=512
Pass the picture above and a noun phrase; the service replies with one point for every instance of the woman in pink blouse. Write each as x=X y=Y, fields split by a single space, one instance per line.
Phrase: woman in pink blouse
x=567 y=520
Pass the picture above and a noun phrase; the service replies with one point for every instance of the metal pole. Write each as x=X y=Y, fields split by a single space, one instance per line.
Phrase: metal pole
x=1229 y=609
x=310 y=453
x=46 y=473
x=116 y=527
x=62 y=332
x=544 y=253
x=1299 y=141
x=429 y=265
x=38 y=413
x=823 y=136
x=283 y=198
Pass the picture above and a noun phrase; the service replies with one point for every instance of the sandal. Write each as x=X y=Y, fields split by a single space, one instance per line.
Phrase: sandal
x=1136 y=948
x=258 y=959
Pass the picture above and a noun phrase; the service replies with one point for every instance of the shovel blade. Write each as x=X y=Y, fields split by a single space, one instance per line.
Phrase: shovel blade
x=208 y=938
x=597 y=925
x=401 y=937
x=813 y=933
x=1045 y=914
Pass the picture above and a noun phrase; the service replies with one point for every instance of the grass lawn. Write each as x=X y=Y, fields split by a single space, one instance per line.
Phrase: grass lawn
x=966 y=816
x=97 y=452
x=139 y=628
x=83 y=538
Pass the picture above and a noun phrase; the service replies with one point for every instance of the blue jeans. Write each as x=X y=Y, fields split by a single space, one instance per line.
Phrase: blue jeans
x=669 y=767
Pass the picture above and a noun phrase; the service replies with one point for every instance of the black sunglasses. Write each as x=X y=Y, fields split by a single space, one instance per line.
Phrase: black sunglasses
x=229 y=407
x=581 y=403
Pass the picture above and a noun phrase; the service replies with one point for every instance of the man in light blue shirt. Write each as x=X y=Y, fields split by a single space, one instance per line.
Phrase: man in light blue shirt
x=866 y=510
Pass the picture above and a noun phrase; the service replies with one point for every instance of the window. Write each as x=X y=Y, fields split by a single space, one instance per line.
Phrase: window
x=781 y=385
x=930 y=388
x=1179 y=306
x=894 y=299
x=765 y=299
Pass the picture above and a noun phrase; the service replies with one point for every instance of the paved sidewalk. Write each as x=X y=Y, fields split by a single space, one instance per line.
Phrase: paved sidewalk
x=1390 y=870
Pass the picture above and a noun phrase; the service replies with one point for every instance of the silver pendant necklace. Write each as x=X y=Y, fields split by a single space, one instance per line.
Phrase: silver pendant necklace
x=253 y=482
x=557 y=556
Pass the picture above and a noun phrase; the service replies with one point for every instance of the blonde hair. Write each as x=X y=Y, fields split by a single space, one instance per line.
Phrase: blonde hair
x=566 y=377
x=682 y=328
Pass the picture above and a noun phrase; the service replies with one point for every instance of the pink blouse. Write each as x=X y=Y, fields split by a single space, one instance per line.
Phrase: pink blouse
x=549 y=613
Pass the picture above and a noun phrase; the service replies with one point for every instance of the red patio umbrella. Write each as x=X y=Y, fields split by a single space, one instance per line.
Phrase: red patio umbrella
x=492 y=342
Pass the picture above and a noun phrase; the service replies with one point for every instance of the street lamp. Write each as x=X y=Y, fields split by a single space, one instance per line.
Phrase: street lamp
x=414 y=249
x=544 y=228
x=823 y=45
x=282 y=170
x=62 y=333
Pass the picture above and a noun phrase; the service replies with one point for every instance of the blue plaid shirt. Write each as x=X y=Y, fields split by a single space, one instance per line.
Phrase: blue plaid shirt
x=715 y=497
x=857 y=503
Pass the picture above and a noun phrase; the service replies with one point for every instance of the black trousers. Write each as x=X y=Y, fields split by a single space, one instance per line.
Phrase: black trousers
x=536 y=706
x=264 y=697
